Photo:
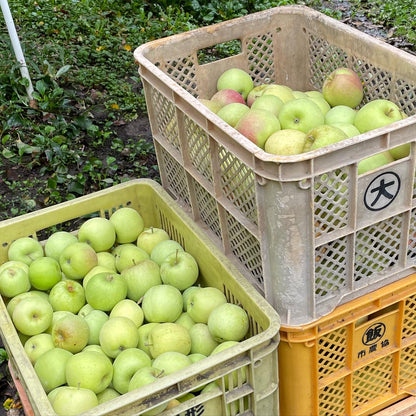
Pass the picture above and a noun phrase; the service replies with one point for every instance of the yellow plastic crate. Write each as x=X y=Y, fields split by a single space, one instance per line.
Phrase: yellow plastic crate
x=307 y=230
x=357 y=360
x=257 y=355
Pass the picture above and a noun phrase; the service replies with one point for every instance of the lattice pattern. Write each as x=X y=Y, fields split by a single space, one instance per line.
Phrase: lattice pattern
x=323 y=59
x=377 y=83
x=198 y=145
x=260 y=55
x=405 y=96
x=372 y=381
x=409 y=318
x=176 y=178
x=377 y=248
x=331 y=201
x=330 y=268
x=208 y=210
x=238 y=184
x=332 y=352
x=407 y=366
x=411 y=249
x=332 y=399
x=166 y=118
x=182 y=71
x=246 y=248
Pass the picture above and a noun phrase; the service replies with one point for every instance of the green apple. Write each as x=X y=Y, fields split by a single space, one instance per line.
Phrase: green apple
x=212 y=407
x=107 y=395
x=227 y=96
x=67 y=295
x=171 y=361
x=236 y=79
x=340 y=114
x=323 y=135
x=314 y=94
x=95 y=320
x=202 y=342
x=130 y=309
x=186 y=293
x=196 y=356
x=349 y=129
x=37 y=344
x=201 y=302
x=231 y=113
x=85 y=310
x=44 y=273
x=52 y=394
x=140 y=278
x=96 y=348
x=343 y=86
x=77 y=259
x=283 y=92
x=322 y=104
x=125 y=365
x=98 y=232
x=268 y=102
x=143 y=377
x=163 y=249
x=89 y=369
x=128 y=224
x=256 y=92
x=285 y=142
x=95 y=270
x=70 y=333
x=25 y=249
x=56 y=316
x=143 y=333
x=179 y=269
x=257 y=125
x=300 y=94
x=57 y=241
x=16 y=299
x=400 y=151
x=14 y=278
x=375 y=161
x=151 y=236
x=118 y=334
x=128 y=255
x=32 y=315
x=185 y=320
x=300 y=114
x=228 y=322
x=107 y=260
x=162 y=303
x=211 y=105
x=105 y=290
x=50 y=368
x=376 y=113
x=71 y=401
x=169 y=336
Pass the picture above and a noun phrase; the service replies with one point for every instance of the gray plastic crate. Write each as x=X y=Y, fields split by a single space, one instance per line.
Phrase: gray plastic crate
x=306 y=230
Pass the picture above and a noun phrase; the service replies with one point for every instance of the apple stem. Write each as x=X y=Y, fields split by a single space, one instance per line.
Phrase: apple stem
x=176 y=258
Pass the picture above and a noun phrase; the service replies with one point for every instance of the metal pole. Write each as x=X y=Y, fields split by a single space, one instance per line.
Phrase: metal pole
x=16 y=47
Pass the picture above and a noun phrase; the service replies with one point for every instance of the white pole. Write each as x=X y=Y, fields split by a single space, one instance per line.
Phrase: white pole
x=16 y=46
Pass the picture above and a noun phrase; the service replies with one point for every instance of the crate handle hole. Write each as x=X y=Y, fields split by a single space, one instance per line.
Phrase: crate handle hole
x=219 y=51
x=258 y=363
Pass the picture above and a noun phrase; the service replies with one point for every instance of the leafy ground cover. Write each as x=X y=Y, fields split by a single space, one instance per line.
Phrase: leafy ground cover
x=88 y=128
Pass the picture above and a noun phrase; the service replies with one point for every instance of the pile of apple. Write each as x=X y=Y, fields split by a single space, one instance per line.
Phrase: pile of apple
x=111 y=308
x=284 y=121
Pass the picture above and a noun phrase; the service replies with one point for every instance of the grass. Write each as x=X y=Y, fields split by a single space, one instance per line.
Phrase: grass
x=80 y=57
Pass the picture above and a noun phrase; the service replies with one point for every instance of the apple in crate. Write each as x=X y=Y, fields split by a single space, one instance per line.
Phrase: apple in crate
x=25 y=249
x=67 y=295
x=73 y=400
x=236 y=79
x=77 y=259
x=125 y=365
x=107 y=395
x=37 y=344
x=143 y=332
x=340 y=114
x=375 y=161
x=107 y=260
x=301 y=114
x=227 y=96
x=256 y=92
x=171 y=361
x=283 y=92
x=95 y=321
x=150 y=237
x=349 y=129
x=211 y=105
x=343 y=86
x=89 y=369
x=70 y=333
x=231 y=113
x=286 y=142
x=268 y=102
x=201 y=302
x=14 y=278
x=376 y=113
x=322 y=136
x=128 y=255
x=163 y=249
x=180 y=270
x=169 y=336
x=258 y=125
x=185 y=320
x=57 y=241
x=202 y=341
x=130 y=309
x=98 y=232
x=128 y=224
x=44 y=273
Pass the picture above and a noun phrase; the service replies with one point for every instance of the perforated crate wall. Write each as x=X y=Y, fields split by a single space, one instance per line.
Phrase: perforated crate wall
x=306 y=230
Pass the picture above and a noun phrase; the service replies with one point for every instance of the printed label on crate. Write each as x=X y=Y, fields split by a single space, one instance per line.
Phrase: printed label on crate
x=382 y=191
x=374 y=336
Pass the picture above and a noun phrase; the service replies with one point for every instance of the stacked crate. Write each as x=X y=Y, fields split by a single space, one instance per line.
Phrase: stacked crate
x=311 y=234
